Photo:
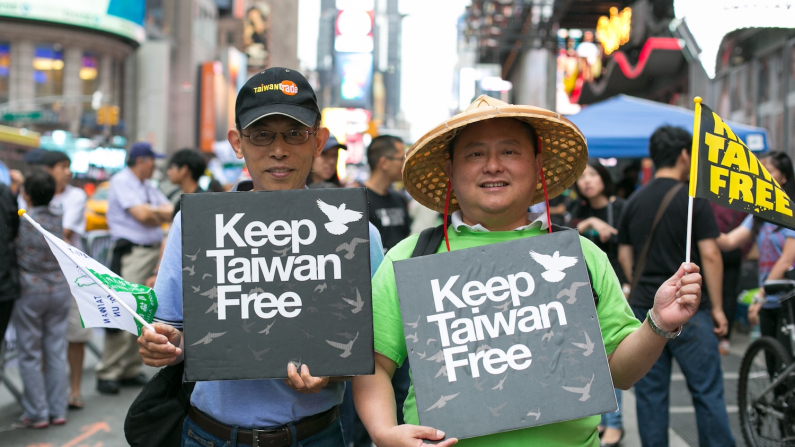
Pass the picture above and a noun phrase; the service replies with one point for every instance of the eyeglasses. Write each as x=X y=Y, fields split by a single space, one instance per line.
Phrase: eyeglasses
x=401 y=158
x=266 y=137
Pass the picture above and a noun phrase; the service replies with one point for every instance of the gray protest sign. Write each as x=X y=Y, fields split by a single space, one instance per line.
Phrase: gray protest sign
x=504 y=336
x=276 y=277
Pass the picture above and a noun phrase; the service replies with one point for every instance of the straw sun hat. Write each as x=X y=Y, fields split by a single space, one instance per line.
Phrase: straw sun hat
x=562 y=146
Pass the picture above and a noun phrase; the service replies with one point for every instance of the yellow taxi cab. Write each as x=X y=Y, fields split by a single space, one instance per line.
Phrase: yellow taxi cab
x=96 y=207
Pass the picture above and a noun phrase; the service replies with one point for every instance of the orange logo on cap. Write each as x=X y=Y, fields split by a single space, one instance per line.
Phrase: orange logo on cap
x=289 y=88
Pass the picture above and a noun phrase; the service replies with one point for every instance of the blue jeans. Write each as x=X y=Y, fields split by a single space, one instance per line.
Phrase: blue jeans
x=696 y=352
x=194 y=436
x=613 y=420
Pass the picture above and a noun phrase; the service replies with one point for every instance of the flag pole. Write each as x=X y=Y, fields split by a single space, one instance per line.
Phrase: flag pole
x=46 y=234
x=693 y=176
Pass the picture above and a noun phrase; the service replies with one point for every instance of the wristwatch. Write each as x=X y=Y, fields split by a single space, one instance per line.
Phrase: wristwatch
x=660 y=331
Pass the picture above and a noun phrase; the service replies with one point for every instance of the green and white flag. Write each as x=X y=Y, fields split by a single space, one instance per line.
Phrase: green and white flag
x=98 y=290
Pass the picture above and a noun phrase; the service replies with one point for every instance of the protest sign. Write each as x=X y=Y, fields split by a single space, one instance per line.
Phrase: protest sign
x=275 y=277
x=723 y=170
x=504 y=336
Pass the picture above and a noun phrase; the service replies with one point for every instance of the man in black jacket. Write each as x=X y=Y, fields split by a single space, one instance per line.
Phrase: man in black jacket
x=9 y=277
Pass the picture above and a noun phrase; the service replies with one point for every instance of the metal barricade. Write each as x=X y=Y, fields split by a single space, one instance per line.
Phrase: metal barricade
x=99 y=246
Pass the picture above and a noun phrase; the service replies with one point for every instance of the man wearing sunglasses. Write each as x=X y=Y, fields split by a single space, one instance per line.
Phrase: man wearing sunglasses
x=278 y=133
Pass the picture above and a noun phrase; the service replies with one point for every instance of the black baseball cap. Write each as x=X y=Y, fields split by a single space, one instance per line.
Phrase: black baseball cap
x=276 y=91
x=142 y=149
x=333 y=143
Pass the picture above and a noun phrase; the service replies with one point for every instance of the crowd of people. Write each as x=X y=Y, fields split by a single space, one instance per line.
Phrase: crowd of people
x=652 y=308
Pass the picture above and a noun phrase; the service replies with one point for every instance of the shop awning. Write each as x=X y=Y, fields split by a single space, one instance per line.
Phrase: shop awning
x=621 y=126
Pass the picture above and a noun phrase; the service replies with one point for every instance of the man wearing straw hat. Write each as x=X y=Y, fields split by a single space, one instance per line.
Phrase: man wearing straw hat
x=487 y=165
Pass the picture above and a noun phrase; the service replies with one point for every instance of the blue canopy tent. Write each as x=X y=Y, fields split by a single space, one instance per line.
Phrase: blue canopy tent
x=621 y=126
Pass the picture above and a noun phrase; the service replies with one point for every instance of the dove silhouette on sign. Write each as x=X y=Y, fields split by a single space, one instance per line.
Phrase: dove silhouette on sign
x=442 y=372
x=496 y=411
x=499 y=385
x=442 y=402
x=571 y=292
x=413 y=325
x=258 y=354
x=350 y=247
x=413 y=337
x=190 y=270
x=346 y=347
x=338 y=217
x=207 y=339
x=438 y=357
x=267 y=330
x=357 y=305
x=193 y=257
x=554 y=264
x=588 y=345
x=585 y=391
x=536 y=413
x=204 y=276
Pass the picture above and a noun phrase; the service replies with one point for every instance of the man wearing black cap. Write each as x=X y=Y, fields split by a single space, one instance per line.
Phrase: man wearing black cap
x=277 y=132
x=324 y=168
x=136 y=212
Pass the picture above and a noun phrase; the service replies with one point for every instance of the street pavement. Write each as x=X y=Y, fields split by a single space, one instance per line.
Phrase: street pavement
x=101 y=422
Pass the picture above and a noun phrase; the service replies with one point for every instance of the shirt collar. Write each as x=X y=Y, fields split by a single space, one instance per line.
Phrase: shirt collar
x=536 y=220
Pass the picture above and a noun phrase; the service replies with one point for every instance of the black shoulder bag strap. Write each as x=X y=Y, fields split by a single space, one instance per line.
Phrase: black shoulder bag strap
x=640 y=263
x=430 y=239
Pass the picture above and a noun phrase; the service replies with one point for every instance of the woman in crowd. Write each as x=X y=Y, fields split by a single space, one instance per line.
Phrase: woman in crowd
x=776 y=246
x=324 y=167
x=595 y=215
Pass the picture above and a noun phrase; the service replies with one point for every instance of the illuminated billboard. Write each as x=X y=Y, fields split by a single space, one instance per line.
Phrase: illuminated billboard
x=121 y=17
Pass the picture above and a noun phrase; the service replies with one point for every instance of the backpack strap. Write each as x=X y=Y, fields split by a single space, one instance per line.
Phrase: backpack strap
x=555 y=229
x=429 y=241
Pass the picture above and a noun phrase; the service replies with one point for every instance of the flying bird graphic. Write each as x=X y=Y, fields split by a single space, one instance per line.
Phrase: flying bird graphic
x=479 y=385
x=308 y=335
x=195 y=289
x=499 y=385
x=357 y=305
x=320 y=287
x=536 y=413
x=207 y=339
x=258 y=354
x=312 y=309
x=247 y=326
x=351 y=246
x=496 y=411
x=338 y=217
x=283 y=252
x=346 y=335
x=213 y=308
x=204 y=276
x=554 y=264
x=193 y=257
x=190 y=270
x=548 y=336
x=267 y=330
x=482 y=348
x=256 y=291
x=442 y=372
x=211 y=294
x=421 y=355
x=346 y=347
x=588 y=345
x=543 y=385
x=339 y=316
x=413 y=325
x=585 y=391
x=442 y=402
x=571 y=292
x=504 y=307
x=438 y=357
x=430 y=340
x=413 y=337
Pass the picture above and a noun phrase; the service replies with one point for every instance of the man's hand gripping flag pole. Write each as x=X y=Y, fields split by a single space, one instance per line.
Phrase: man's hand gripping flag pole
x=87 y=272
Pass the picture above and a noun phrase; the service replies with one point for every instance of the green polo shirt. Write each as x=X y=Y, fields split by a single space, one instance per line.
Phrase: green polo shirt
x=615 y=318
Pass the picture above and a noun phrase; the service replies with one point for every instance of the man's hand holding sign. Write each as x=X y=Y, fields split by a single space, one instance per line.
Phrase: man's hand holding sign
x=505 y=339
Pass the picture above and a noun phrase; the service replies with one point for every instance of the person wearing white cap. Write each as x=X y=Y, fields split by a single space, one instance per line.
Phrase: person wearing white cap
x=488 y=165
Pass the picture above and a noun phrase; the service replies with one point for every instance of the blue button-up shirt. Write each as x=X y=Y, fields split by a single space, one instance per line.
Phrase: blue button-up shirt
x=245 y=403
x=126 y=191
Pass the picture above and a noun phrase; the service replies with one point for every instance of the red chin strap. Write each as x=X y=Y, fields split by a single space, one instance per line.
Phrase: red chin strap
x=546 y=195
x=446 y=209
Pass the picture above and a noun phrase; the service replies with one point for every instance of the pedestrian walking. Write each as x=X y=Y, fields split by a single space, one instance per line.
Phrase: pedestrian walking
x=596 y=215
x=69 y=202
x=493 y=157
x=185 y=169
x=136 y=212
x=776 y=246
x=278 y=134
x=652 y=248
x=41 y=313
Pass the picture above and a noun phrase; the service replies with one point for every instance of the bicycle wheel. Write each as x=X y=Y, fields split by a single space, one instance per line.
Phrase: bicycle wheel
x=760 y=415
